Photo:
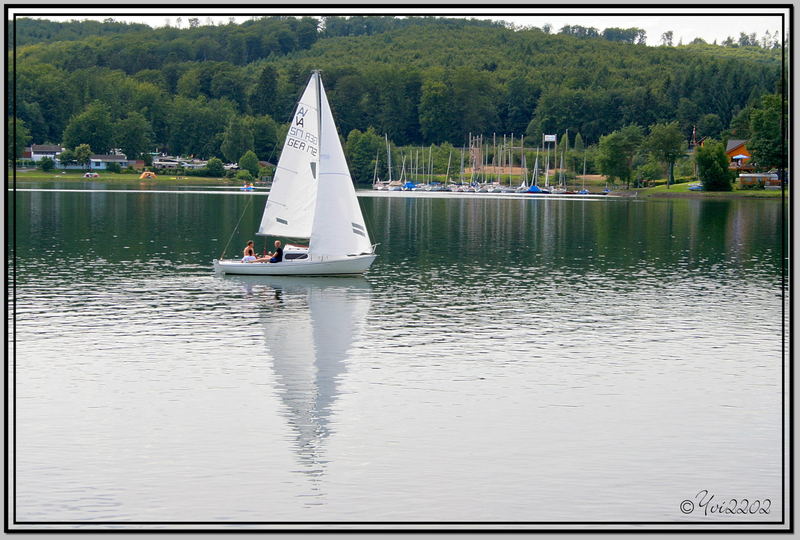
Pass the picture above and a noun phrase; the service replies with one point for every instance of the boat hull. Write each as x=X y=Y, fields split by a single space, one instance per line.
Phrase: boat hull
x=328 y=267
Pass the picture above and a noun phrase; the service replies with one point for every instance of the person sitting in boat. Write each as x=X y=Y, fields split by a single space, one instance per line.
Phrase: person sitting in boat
x=275 y=256
x=249 y=254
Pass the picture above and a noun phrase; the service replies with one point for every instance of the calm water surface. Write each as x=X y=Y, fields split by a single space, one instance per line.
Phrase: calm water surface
x=503 y=360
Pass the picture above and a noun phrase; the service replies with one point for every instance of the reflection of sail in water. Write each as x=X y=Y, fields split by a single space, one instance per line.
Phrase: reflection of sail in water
x=309 y=336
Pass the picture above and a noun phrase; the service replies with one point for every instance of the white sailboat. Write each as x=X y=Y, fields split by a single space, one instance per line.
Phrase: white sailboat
x=312 y=198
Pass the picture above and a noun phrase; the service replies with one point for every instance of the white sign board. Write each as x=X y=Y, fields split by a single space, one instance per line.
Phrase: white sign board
x=549 y=138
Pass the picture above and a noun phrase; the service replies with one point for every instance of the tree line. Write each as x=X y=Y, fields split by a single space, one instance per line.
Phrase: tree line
x=207 y=89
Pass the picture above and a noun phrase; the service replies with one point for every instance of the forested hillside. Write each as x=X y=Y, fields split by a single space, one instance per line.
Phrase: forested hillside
x=420 y=80
x=28 y=31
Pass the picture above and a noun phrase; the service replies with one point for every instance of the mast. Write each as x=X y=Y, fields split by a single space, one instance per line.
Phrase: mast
x=495 y=162
x=584 y=169
x=375 y=173
x=416 y=166
x=447 y=174
x=485 y=162
x=388 y=156
x=319 y=108
x=461 y=172
x=547 y=167
x=473 y=160
x=510 y=158
x=430 y=164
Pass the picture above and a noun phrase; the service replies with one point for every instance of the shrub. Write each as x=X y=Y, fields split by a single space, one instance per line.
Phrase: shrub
x=265 y=172
x=46 y=164
x=113 y=167
x=249 y=162
x=215 y=168
x=244 y=175
x=757 y=185
x=648 y=172
x=712 y=167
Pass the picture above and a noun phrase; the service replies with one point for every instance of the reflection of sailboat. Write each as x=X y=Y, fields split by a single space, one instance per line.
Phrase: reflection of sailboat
x=309 y=337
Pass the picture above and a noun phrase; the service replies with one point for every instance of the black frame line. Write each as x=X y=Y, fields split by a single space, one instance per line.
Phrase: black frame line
x=409 y=526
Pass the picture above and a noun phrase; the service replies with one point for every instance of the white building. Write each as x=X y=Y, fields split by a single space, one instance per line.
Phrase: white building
x=39 y=151
x=101 y=161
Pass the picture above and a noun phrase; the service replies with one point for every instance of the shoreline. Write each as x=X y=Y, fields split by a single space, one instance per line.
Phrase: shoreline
x=678 y=191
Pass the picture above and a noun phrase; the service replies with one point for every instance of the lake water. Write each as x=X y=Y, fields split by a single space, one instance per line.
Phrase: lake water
x=503 y=360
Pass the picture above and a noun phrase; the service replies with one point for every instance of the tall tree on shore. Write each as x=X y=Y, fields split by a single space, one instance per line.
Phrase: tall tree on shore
x=264 y=96
x=92 y=127
x=361 y=149
x=237 y=139
x=666 y=143
x=617 y=151
x=265 y=137
x=16 y=146
x=435 y=116
x=133 y=135
x=577 y=154
x=83 y=154
x=612 y=157
x=249 y=162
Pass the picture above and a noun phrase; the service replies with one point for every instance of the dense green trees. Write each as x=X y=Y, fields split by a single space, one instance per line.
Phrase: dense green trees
x=768 y=125
x=237 y=139
x=133 y=135
x=421 y=80
x=626 y=35
x=362 y=150
x=44 y=31
x=196 y=126
x=264 y=97
x=92 y=127
x=265 y=136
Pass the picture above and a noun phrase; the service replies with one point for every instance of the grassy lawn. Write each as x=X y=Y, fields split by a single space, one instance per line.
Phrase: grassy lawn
x=77 y=176
x=682 y=190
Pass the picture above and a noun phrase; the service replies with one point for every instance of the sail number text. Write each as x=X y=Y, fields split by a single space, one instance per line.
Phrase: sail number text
x=302 y=140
